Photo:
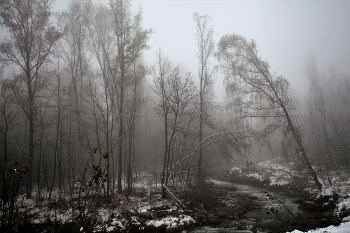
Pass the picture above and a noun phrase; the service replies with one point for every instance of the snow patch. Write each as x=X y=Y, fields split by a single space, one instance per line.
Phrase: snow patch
x=256 y=176
x=171 y=222
x=342 y=228
x=343 y=206
x=235 y=170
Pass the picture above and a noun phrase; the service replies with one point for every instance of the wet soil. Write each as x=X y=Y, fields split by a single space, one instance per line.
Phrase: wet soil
x=211 y=205
x=247 y=209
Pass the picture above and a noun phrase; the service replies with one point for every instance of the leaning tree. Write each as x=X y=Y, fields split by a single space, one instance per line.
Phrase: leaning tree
x=258 y=92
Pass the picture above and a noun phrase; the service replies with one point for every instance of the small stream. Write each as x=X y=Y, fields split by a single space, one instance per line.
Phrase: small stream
x=259 y=220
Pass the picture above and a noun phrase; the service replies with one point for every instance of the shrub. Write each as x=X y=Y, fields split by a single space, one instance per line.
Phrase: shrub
x=11 y=216
x=88 y=195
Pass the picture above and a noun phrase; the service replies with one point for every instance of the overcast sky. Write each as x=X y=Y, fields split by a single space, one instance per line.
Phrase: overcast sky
x=285 y=31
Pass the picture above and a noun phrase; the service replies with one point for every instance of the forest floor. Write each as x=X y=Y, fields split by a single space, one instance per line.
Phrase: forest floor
x=144 y=210
x=184 y=208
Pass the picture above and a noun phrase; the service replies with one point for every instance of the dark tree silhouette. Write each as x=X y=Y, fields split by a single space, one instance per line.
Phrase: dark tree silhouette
x=29 y=47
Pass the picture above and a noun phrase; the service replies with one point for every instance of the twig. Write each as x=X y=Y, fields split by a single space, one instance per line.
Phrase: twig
x=176 y=197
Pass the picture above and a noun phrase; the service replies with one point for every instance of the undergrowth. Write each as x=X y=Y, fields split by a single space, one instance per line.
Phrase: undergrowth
x=286 y=223
x=12 y=215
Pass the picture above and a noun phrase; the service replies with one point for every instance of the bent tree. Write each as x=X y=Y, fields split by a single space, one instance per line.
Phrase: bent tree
x=257 y=92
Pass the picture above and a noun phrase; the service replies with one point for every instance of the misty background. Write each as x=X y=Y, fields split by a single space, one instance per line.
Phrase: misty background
x=286 y=32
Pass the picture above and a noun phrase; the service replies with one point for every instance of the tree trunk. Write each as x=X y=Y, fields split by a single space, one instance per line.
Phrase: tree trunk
x=31 y=149
x=165 y=155
x=298 y=140
x=121 y=132
x=200 y=171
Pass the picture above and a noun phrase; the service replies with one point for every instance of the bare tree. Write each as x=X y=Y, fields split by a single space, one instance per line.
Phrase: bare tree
x=134 y=103
x=29 y=46
x=162 y=68
x=175 y=97
x=75 y=59
x=327 y=119
x=205 y=44
x=58 y=121
x=131 y=40
x=259 y=93
x=7 y=123
x=101 y=43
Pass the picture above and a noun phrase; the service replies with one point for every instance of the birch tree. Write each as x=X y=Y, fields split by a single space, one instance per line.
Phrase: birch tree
x=131 y=40
x=259 y=93
x=101 y=44
x=205 y=44
x=28 y=47
x=134 y=103
x=74 y=56
x=175 y=94
x=7 y=124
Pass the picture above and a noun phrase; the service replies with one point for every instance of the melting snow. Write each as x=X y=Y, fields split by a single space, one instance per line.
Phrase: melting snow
x=280 y=175
x=342 y=228
x=171 y=222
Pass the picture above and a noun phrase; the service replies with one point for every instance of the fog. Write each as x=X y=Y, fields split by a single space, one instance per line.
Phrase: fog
x=163 y=116
x=285 y=32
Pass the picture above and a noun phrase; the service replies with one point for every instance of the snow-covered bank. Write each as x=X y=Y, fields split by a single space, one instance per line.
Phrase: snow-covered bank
x=334 y=199
x=142 y=211
x=342 y=228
